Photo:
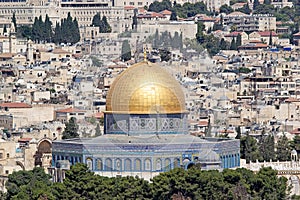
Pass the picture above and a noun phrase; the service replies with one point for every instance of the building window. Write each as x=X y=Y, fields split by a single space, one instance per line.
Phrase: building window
x=138 y=166
x=147 y=165
x=127 y=165
x=158 y=165
x=99 y=164
x=118 y=166
x=108 y=164
x=89 y=163
x=167 y=164
x=176 y=162
x=7 y=155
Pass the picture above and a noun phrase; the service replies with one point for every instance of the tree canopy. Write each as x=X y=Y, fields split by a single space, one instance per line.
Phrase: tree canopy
x=81 y=183
x=71 y=129
x=126 y=51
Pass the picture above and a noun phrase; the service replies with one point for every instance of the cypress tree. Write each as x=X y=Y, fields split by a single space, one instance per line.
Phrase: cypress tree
x=238 y=40
x=96 y=20
x=223 y=44
x=255 y=4
x=283 y=149
x=134 y=20
x=97 y=130
x=76 y=33
x=126 y=51
x=35 y=30
x=105 y=25
x=57 y=33
x=4 y=29
x=270 y=39
x=233 y=44
x=156 y=41
x=14 y=21
x=48 y=29
x=71 y=129
x=173 y=16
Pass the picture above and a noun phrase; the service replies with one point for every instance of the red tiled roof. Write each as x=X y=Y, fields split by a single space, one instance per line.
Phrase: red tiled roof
x=60 y=51
x=233 y=34
x=6 y=55
x=236 y=14
x=24 y=139
x=70 y=110
x=15 y=105
x=128 y=7
x=267 y=33
x=291 y=99
x=166 y=12
x=203 y=123
x=99 y=115
x=151 y=15
x=226 y=131
x=297 y=34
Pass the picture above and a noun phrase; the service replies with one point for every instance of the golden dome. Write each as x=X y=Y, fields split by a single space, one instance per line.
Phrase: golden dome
x=145 y=88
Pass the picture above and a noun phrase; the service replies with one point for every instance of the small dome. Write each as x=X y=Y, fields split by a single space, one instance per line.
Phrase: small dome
x=145 y=88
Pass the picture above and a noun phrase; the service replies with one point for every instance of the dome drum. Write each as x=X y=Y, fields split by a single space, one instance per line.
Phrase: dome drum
x=136 y=124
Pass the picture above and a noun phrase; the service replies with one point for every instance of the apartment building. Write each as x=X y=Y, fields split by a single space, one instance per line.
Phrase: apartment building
x=249 y=23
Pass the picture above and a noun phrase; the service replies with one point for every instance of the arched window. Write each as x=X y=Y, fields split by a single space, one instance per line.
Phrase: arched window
x=158 y=164
x=167 y=164
x=99 y=164
x=118 y=165
x=89 y=163
x=138 y=165
x=128 y=165
x=147 y=165
x=176 y=162
x=108 y=164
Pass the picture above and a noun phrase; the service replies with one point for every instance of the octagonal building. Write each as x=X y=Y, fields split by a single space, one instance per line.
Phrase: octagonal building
x=146 y=131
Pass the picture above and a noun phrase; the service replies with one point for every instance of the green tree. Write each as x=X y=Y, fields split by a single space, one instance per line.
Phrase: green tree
x=105 y=27
x=4 y=29
x=173 y=16
x=295 y=143
x=267 y=2
x=223 y=44
x=238 y=132
x=37 y=29
x=165 y=54
x=245 y=9
x=283 y=149
x=24 y=32
x=160 y=6
x=233 y=45
x=75 y=32
x=14 y=20
x=71 y=129
x=96 y=21
x=226 y=9
x=239 y=40
x=200 y=32
x=249 y=149
x=48 y=34
x=29 y=185
x=255 y=4
x=97 y=130
x=126 y=51
x=267 y=147
x=270 y=39
x=134 y=19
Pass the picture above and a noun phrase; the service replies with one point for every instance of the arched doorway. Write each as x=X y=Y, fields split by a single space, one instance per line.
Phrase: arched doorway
x=43 y=155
